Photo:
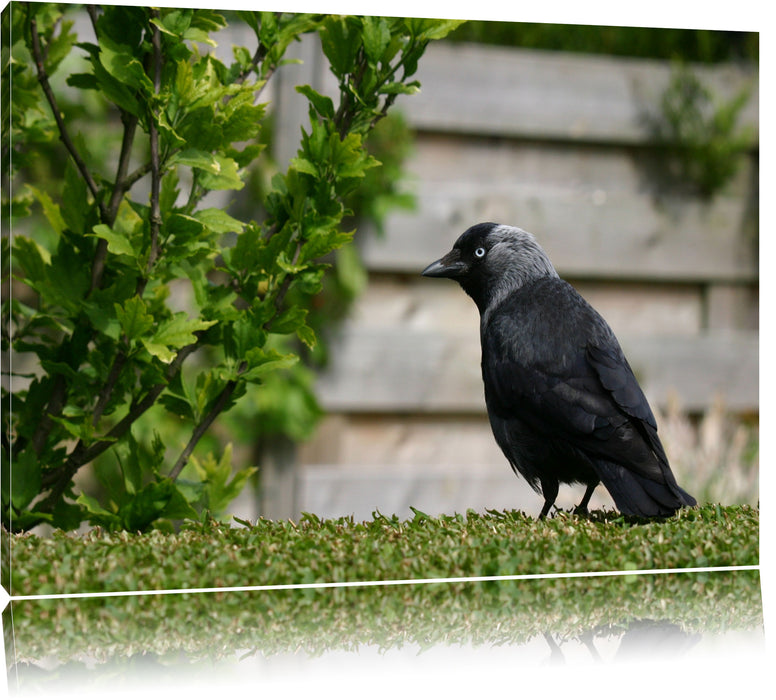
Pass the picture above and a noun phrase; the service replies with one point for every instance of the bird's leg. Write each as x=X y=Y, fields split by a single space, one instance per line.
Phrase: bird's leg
x=550 y=493
x=581 y=509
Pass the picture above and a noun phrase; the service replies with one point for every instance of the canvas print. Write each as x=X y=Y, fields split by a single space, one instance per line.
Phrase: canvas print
x=333 y=339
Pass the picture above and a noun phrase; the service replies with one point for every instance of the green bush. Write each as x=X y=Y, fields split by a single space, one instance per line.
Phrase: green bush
x=96 y=312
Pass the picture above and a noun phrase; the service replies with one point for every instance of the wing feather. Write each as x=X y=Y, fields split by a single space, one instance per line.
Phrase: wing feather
x=571 y=382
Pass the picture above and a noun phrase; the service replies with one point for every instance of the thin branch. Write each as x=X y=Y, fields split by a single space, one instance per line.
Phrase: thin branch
x=92 y=11
x=137 y=174
x=107 y=389
x=53 y=408
x=259 y=55
x=203 y=425
x=119 y=188
x=121 y=185
x=384 y=111
x=286 y=284
x=156 y=216
x=226 y=392
x=63 y=134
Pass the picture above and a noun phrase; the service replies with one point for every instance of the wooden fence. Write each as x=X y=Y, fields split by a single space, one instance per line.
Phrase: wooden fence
x=558 y=144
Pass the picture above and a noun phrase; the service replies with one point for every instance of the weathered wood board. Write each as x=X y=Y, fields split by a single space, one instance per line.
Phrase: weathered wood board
x=594 y=211
x=386 y=370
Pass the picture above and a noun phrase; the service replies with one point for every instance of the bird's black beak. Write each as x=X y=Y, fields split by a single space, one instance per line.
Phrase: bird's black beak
x=450 y=265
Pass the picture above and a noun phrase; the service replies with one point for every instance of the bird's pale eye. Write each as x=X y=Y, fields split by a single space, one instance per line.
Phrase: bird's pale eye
x=479 y=253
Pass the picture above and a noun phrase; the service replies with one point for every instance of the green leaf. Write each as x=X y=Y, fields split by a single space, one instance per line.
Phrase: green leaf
x=174 y=334
x=134 y=319
x=411 y=88
x=25 y=479
x=184 y=228
x=66 y=516
x=219 y=221
x=102 y=315
x=219 y=490
x=321 y=242
x=340 y=44
x=431 y=29
x=75 y=200
x=225 y=178
x=289 y=320
x=243 y=335
x=195 y=158
x=83 y=81
x=68 y=277
x=249 y=17
x=307 y=336
x=118 y=243
x=50 y=209
x=114 y=90
x=124 y=66
x=303 y=165
x=59 y=46
x=196 y=34
x=78 y=425
x=350 y=270
x=96 y=514
x=177 y=21
x=32 y=258
x=176 y=398
x=262 y=362
x=208 y=20
x=322 y=104
x=157 y=499
x=376 y=36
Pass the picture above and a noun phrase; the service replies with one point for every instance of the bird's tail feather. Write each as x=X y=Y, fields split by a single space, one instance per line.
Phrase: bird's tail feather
x=636 y=495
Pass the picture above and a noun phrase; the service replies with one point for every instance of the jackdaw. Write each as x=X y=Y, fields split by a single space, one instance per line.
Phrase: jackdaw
x=562 y=399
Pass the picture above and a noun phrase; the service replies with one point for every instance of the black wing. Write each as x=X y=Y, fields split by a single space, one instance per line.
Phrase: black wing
x=551 y=361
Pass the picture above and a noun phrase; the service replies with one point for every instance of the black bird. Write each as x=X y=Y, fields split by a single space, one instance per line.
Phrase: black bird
x=562 y=399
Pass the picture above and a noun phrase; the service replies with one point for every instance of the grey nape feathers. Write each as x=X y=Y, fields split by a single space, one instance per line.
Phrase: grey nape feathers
x=562 y=399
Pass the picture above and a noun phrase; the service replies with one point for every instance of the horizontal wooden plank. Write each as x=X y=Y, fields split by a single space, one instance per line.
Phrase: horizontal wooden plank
x=331 y=491
x=593 y=211
x=553 y=95
x=401 y=370
x=371 y=442
x=418 y=303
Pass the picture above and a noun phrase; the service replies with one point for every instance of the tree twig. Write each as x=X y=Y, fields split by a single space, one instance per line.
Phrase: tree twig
x=92 y=12
x=153 y=131
x=119 y=188
x=110 y=383
x=40 y=67
x=201 y=428
x=258 y=57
